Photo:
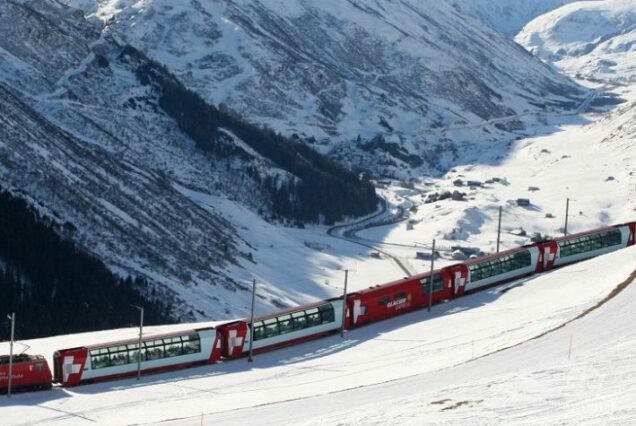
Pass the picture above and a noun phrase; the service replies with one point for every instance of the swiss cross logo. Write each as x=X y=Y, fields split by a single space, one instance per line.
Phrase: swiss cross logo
x=234 y=340
x=69 y=368
x=459 y=279
x=548 y=257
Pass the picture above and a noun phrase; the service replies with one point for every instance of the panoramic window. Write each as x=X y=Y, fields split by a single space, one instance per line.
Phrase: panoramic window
x=151 y=350
x=294 y=321
x=438 y=283
x=588 y=243
x=500 y=265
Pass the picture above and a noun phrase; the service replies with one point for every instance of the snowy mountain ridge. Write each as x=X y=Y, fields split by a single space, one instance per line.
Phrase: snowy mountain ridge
x=509 y=17
x=589 y=40
x=335 y=71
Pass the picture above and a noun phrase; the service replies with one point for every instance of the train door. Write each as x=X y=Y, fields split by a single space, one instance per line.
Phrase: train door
x=233 y=339
x=631 y=239
x=458 y=277
x=449 y=284
x=68 y=366
x=217 y=346
x=547 y=255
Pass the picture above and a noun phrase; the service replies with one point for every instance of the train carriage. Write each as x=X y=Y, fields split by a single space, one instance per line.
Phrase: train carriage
x=119 y=359
x=397 y=297
x=494 y=269
x=283 y=328
x=585 y=245
x=28 y=372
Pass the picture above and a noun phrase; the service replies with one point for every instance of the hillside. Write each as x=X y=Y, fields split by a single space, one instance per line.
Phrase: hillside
x=337 y=74
x=87 y=144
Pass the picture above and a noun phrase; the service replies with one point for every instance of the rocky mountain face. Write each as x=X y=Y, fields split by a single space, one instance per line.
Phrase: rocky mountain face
x=340 y=73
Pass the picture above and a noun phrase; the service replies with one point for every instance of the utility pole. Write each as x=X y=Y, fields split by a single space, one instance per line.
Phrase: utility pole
x=344 y=304
x=499 y=230
x=141 y=331
x=249 y=359
x=430 y=278
x=12 y=318
x=567 y=210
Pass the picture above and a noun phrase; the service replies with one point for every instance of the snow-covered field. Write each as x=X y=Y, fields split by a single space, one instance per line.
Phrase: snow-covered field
x=450 y=365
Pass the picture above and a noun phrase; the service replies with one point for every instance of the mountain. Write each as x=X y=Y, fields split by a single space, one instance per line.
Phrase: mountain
x=162 y=136
x=509 y=17
x=90 y=142
x=340 y=73
x=593 y=41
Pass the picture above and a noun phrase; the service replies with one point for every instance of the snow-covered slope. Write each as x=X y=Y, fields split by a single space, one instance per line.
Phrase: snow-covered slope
x=477 y=359
x=335 y=70
x=588 y=39
x=509 y=17
x=89 y=147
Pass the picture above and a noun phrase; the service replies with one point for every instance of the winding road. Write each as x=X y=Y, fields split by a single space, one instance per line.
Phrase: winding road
x=348 y=232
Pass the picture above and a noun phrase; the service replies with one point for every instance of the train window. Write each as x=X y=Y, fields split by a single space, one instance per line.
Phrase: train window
x=153 y=353
x=438 y=283
x=501 y=265
x=132 y=355
x=191 y=344
x=259 y=331
x=383 y=300
x=327 y=313
x=174 y=348
x=589 y=243
x=118 y=358
x=399 y=296
x=99 y=358
x=151 y=350
x=271 y=327
x=313 y=317
x=300 y=320
x=285 y=324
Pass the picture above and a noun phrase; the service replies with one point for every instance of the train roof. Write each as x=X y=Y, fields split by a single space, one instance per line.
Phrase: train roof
x=131 y=335
x=377 y=287
x=4 y=359
x=496 y=255
x=288 y=310
x=584 y=233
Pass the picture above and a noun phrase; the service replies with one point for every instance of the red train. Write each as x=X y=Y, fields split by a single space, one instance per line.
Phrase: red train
x=28 y=372
x=230 y=339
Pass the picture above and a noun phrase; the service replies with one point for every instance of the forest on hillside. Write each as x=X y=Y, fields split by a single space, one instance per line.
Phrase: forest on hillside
x=55 y=287
x=323 y=188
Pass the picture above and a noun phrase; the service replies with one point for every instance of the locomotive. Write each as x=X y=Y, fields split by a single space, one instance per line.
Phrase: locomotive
x=28 y=372
x=231 y=339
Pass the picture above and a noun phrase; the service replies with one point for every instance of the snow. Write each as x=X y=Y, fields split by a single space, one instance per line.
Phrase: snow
x=591 y=40
x=470 y=361
x=481 y=352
